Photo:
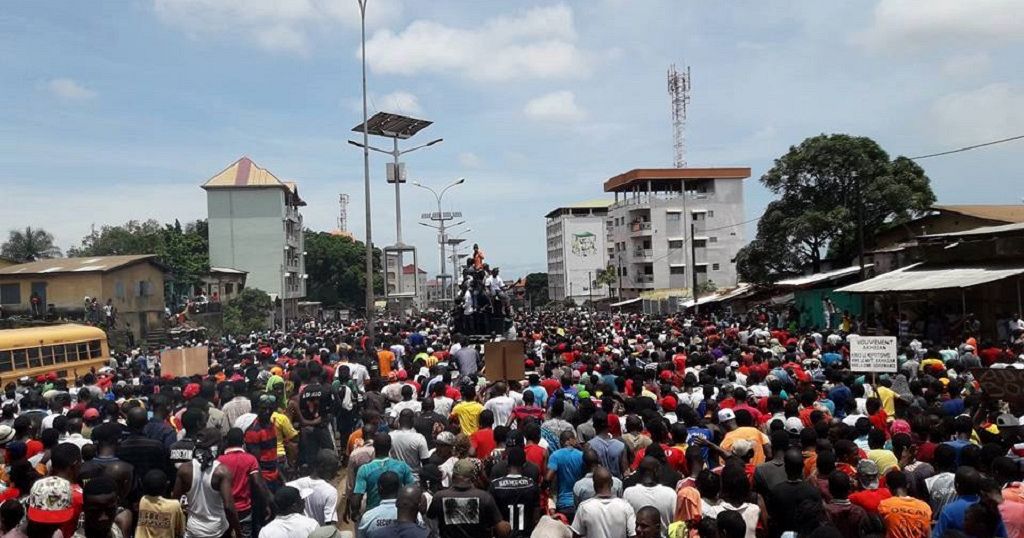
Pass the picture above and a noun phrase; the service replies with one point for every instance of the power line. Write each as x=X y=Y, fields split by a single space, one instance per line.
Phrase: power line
x=968 y=148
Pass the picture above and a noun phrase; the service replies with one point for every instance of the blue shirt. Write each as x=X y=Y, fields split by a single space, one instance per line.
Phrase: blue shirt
x=831 y=358
x=567 y=463
x=611 y=452
x=703 y=433
x=369 y=475
x=540 y=394
x=952 y=517
x=840 y=396
x=957 y=445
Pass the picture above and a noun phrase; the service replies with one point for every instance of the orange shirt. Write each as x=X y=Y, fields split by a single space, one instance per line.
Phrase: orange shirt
x=906 y=517
x=385 y=359
x=754 y=435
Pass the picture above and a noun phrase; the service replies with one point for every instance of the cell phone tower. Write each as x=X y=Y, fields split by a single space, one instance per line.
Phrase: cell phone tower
x=343 y=212
x=679 y=94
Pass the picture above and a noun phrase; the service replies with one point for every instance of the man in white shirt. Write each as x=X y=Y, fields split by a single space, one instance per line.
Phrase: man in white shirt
x=408 y=402
x=75 y=433
x=290 y=521
x=604 y=515
x=409 y=445
x=318 y=491
x=500 y=403
x=650 y=493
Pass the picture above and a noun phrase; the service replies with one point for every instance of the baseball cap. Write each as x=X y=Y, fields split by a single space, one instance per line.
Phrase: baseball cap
x=794 y=425
x=1005 y=420
x=742 y=447
x=6 y=434
x=725 y=415
x=50 y=501
x=91 y=414
x=867 y=474
x=464 y=468
x=191 y=391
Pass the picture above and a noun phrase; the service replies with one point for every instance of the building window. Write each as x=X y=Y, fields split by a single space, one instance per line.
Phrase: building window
x=229 y=288
x=625 y=272
x=10 y=293
x=145 y=288
x=712 y=239
x=702 y=268
x=119 y=289
x=697 y=217
x=672 y=217
x=714 y=267
x=700 y=243
x=675 y=243
x=711 y=213
x=677 y=270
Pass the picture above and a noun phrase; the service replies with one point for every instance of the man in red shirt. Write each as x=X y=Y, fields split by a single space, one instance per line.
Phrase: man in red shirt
x=246 y=477
x=483 y=439
x=871 y=494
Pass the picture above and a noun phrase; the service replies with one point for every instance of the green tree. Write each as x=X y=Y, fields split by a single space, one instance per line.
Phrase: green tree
x=336 y=266
x=184 y=250
x=247 y=312
x=29 y=245
x=607 y=277
x=818 y=185
x=537 y=289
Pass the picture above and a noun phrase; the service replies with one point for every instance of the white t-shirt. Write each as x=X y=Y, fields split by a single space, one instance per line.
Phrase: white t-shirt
x=501 y=406
x=397 y=408
x=661 y=497
x=322 y=501
x=599 y=517
x=411 y=447
x=289 y=526
x=443 y=406
x=749 y=512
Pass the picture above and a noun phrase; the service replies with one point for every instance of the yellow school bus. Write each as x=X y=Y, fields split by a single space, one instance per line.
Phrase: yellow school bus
x=67 y=350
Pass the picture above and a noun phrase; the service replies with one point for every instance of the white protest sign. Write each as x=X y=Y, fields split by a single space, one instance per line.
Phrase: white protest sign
x=873 y=354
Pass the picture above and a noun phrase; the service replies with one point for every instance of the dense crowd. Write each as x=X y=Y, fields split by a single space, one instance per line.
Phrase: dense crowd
x=624 y=425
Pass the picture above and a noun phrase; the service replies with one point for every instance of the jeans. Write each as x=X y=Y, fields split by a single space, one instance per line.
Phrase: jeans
x=311 y=441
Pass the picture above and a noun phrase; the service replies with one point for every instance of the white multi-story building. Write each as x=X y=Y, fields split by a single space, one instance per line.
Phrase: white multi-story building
x=576 y=250
x=656 y=215
x=255 y=226
x=412 y=278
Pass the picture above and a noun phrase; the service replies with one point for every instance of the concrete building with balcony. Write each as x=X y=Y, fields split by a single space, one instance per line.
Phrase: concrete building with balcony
x=656 y=215
x=576 y=250
x=412 y=278
x=255 y=226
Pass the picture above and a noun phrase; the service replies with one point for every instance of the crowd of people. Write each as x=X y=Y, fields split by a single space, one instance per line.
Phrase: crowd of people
x=623 y=425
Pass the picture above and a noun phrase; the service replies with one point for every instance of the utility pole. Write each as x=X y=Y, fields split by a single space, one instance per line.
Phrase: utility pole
x=590 y=289
x=366 y=185
x=619 y=258
x=693 y=258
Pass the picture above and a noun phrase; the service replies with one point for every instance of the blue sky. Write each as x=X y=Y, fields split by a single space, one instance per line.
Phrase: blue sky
x=113 y=110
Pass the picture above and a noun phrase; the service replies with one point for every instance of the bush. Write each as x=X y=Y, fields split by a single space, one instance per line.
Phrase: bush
x=248 y=312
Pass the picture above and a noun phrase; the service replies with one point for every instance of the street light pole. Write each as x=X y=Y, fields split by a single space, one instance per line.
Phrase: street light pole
x=440 y=217
x=366 y=183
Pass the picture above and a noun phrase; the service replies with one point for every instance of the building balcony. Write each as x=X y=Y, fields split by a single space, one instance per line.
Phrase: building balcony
x=645 y=254
x=640 y=229
x=643 y=281
x=292 y=213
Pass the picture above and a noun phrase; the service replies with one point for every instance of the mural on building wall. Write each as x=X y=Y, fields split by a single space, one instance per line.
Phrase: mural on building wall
x=584 y=244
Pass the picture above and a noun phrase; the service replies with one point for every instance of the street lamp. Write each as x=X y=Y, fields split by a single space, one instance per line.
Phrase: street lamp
x=441 y=218
x=366 y=180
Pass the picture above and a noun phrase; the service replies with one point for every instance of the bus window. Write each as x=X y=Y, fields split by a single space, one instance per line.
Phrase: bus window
x=83 y=351
x=72 y=352
x=47 y=353
x=58 y=354
x=20 y=358
x=5 y=361
x=95 y=349
x=33 y=357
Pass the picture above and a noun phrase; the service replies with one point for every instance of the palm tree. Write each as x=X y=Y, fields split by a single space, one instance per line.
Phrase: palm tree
x=29 y=245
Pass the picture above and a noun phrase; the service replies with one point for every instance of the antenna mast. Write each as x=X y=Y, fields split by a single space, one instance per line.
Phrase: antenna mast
x=343 y=212
x=679 y=94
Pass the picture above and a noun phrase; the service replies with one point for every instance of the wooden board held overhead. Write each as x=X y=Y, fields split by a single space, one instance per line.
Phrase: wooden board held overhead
x=505 y=360
x=185 y=362
x=1001 y=383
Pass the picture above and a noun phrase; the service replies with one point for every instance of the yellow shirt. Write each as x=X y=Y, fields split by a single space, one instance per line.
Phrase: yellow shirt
x=468 y=414
x=888 y=398
x=285 y=430
x=884 y=459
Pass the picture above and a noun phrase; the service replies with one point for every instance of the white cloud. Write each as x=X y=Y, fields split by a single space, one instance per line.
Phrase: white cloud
x=986 y=113
x=965 y=66
x=557 y=106
x=538 y=43
x=400 y=102
x=276 y=25
x=915 y=25
x=469 y=159
x=69 y=90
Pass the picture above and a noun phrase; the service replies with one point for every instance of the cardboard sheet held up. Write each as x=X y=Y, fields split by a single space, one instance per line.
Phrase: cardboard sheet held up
x=185 y=362
x=505 y=360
